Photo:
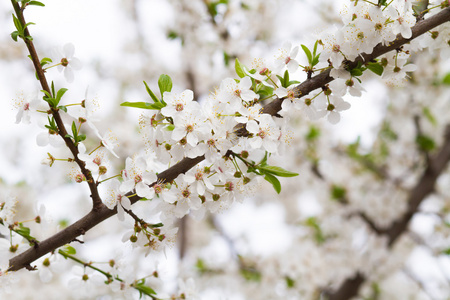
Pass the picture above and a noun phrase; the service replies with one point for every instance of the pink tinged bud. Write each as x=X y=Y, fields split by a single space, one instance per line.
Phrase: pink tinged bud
x=264 y=71
x=26 y=106
x=64 y=62
x=102 y=170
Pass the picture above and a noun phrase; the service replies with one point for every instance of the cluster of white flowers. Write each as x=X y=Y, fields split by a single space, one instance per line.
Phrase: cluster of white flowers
x=185 y=128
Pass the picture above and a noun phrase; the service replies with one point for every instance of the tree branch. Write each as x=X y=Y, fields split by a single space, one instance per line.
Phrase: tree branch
x=423 y=188
x=97 y=202
x=101 y=212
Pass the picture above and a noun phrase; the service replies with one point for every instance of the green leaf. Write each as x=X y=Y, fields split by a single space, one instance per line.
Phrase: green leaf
x=74 y=129
x=45 y=61
x=313 y=133
x=289 y=282
x=447 y=251
x=315 y=60
x=152 y=95
x=291 y=82
x=37 y=3
x=356 y=72
x=429 y=115
x=425 y=143
x=382 y=2
x=308 y=53
x=338 y=192
x=63 y=108
x=226 y=58
x=264 y=90
x=274 y=181
x=18 y=25
x=29 y=23
x=143 y=105
x=375 y=67
x=144 y=290
x=70 y=250
x=446 y=79
x=14 y=35
x=60 y=93
x=165 y=84
x=239 y=68
x=315 y=49
x=278 y=171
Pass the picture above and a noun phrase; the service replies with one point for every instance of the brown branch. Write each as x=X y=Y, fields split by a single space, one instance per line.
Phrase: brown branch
x=97 y=202
x=101 y=212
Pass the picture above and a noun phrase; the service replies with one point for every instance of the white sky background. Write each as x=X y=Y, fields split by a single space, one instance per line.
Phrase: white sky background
x=98 y=31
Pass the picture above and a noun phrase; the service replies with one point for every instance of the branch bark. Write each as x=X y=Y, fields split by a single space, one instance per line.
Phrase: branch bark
x=100 y=212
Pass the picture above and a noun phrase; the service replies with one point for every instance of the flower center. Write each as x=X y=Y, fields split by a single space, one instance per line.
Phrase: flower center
x=186 y=193
x=179 y=107
x=229 y=186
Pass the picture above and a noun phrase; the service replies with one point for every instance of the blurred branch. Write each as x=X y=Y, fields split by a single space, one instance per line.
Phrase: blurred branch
x=100 y=212
x=423 y=188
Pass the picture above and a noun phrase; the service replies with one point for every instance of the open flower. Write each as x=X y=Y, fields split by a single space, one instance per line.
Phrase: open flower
x=117 y=198
x=68 y=62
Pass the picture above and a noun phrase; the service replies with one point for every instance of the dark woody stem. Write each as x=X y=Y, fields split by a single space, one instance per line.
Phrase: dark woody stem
x=97 y=202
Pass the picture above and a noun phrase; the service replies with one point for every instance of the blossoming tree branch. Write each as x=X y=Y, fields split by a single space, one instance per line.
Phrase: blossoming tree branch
x=205 y=156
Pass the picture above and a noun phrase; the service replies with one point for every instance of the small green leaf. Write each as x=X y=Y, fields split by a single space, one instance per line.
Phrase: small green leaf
x=144 y=290
x=356 y=72
x=17 y=24
x=315 y=60
x=429 y=115
x=313 y=133
x=278 y=171
x=165 y=84
x=63 y=108
x=37 y=3
x=425 y=143
x=152 y=95
x=308 y=53
x=446 y=79
x=375 y=67
x=60 y=93
x=143 y=105
x=289 y=282
x=274 y=181
x=70 y=250
x=74 y=129
x=14 y=35
x=239 y=68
